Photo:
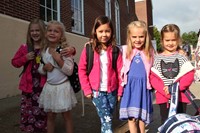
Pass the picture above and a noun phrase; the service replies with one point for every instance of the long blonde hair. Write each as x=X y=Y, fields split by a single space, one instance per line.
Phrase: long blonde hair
x=148 y=48
x=63 y=39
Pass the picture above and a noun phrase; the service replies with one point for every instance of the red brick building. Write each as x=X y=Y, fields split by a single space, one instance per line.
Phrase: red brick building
x=77 y=15
x=143 y=11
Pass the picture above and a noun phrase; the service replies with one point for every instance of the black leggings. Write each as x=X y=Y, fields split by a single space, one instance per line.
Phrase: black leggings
x=164 y=110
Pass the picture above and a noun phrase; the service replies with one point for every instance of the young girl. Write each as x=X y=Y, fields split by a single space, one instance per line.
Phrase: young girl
x=102 y=85
x=170 y=66
x=57 y=95
x=136 y=102
x=33 y=118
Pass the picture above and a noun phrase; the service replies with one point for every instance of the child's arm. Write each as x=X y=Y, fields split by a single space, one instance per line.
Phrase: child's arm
x=158 y=84
x=20 y=57
x=186 y=80
x=68 y=51
x=68 y=66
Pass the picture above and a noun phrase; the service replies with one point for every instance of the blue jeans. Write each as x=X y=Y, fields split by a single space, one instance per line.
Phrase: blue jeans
x=105 y=104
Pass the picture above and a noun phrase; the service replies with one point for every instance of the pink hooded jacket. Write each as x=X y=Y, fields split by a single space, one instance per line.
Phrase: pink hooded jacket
x=92 y=82
x=185 y=79
x=19 y=60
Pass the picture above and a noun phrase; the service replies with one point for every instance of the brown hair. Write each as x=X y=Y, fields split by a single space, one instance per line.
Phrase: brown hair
x=171 y=28
x=101 y=20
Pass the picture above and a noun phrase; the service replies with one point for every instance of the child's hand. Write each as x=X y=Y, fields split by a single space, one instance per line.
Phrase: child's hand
x=180 y=51
x=68 y=51
x=118 y=98
x=56 y=56
x=166 y=90
x=30 y=55
x=48 y=67
x=89 y=96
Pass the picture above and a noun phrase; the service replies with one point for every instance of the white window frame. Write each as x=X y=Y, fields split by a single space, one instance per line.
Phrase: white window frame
x=127 y=4
x=52 y=11
x=108 y=8
x=77 y=17
x=117 y=22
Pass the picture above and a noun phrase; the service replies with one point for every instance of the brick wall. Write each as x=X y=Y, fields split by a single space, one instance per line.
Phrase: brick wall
x=22 y=9
x=28 y=9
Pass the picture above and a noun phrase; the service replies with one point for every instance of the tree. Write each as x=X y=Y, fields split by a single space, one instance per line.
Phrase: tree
x=156 y=35
x=190 y=38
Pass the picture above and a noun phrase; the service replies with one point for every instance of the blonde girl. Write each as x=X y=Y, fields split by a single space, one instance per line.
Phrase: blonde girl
x=136 y=102
x=57 y=95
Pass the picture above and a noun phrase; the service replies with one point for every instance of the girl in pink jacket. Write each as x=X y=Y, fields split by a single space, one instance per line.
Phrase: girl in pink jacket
x=31 y=83
x=170 y=67
x=102 y=84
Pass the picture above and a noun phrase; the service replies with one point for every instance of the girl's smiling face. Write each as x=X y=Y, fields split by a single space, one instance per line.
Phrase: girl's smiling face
x=35 y=32
x=54 y=34
x=137 y=37
x=103 y=33
x=169 y=42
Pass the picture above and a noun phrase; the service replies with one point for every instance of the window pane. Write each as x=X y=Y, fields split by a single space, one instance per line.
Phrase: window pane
x=42 y=2
x=42 y=13
x=55 y=5
x=48 y=15
x=54 y=15
x=48 y=3
x=72 y=3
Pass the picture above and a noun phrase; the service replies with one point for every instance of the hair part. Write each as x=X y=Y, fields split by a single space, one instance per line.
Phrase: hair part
x=101 y=20
x=148 y=48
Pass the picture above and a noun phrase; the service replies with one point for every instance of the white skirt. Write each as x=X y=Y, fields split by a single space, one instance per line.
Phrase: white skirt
x=57 y=98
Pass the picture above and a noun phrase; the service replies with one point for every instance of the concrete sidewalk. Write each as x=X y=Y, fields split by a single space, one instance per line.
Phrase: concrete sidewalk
x=89 y=123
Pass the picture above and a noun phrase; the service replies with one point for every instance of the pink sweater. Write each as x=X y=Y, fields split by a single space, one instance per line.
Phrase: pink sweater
x=92 y=82
x=127 y=63
x=20 y=60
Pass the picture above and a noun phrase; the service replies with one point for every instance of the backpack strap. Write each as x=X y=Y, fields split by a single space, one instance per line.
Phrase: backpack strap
x=89 y=57
x=115 y=53
x=174 y=91
x=191 y=97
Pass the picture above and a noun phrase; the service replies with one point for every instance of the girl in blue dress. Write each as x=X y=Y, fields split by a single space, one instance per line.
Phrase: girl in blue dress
x=136 y=102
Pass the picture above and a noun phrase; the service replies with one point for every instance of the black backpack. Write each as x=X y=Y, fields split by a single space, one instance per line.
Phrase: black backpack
x=74 y=79
x=90 y=57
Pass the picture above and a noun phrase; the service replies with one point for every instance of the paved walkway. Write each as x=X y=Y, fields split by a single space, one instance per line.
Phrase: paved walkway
x=89 y=123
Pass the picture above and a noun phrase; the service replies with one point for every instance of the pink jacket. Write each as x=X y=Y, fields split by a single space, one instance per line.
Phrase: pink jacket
x=20 y=60
x=185 y=80
x=92 y=82
x=127 y=63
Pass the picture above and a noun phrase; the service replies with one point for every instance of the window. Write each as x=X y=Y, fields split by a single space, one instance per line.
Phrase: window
x=117 y=20
x=77 y=16
x=127 y=4
x=50 y=10
x=108 y=8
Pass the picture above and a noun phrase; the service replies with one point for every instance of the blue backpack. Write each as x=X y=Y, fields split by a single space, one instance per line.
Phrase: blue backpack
x=180 y=123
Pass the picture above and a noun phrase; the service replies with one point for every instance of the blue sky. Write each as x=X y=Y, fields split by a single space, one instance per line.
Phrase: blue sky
x=184 y=13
